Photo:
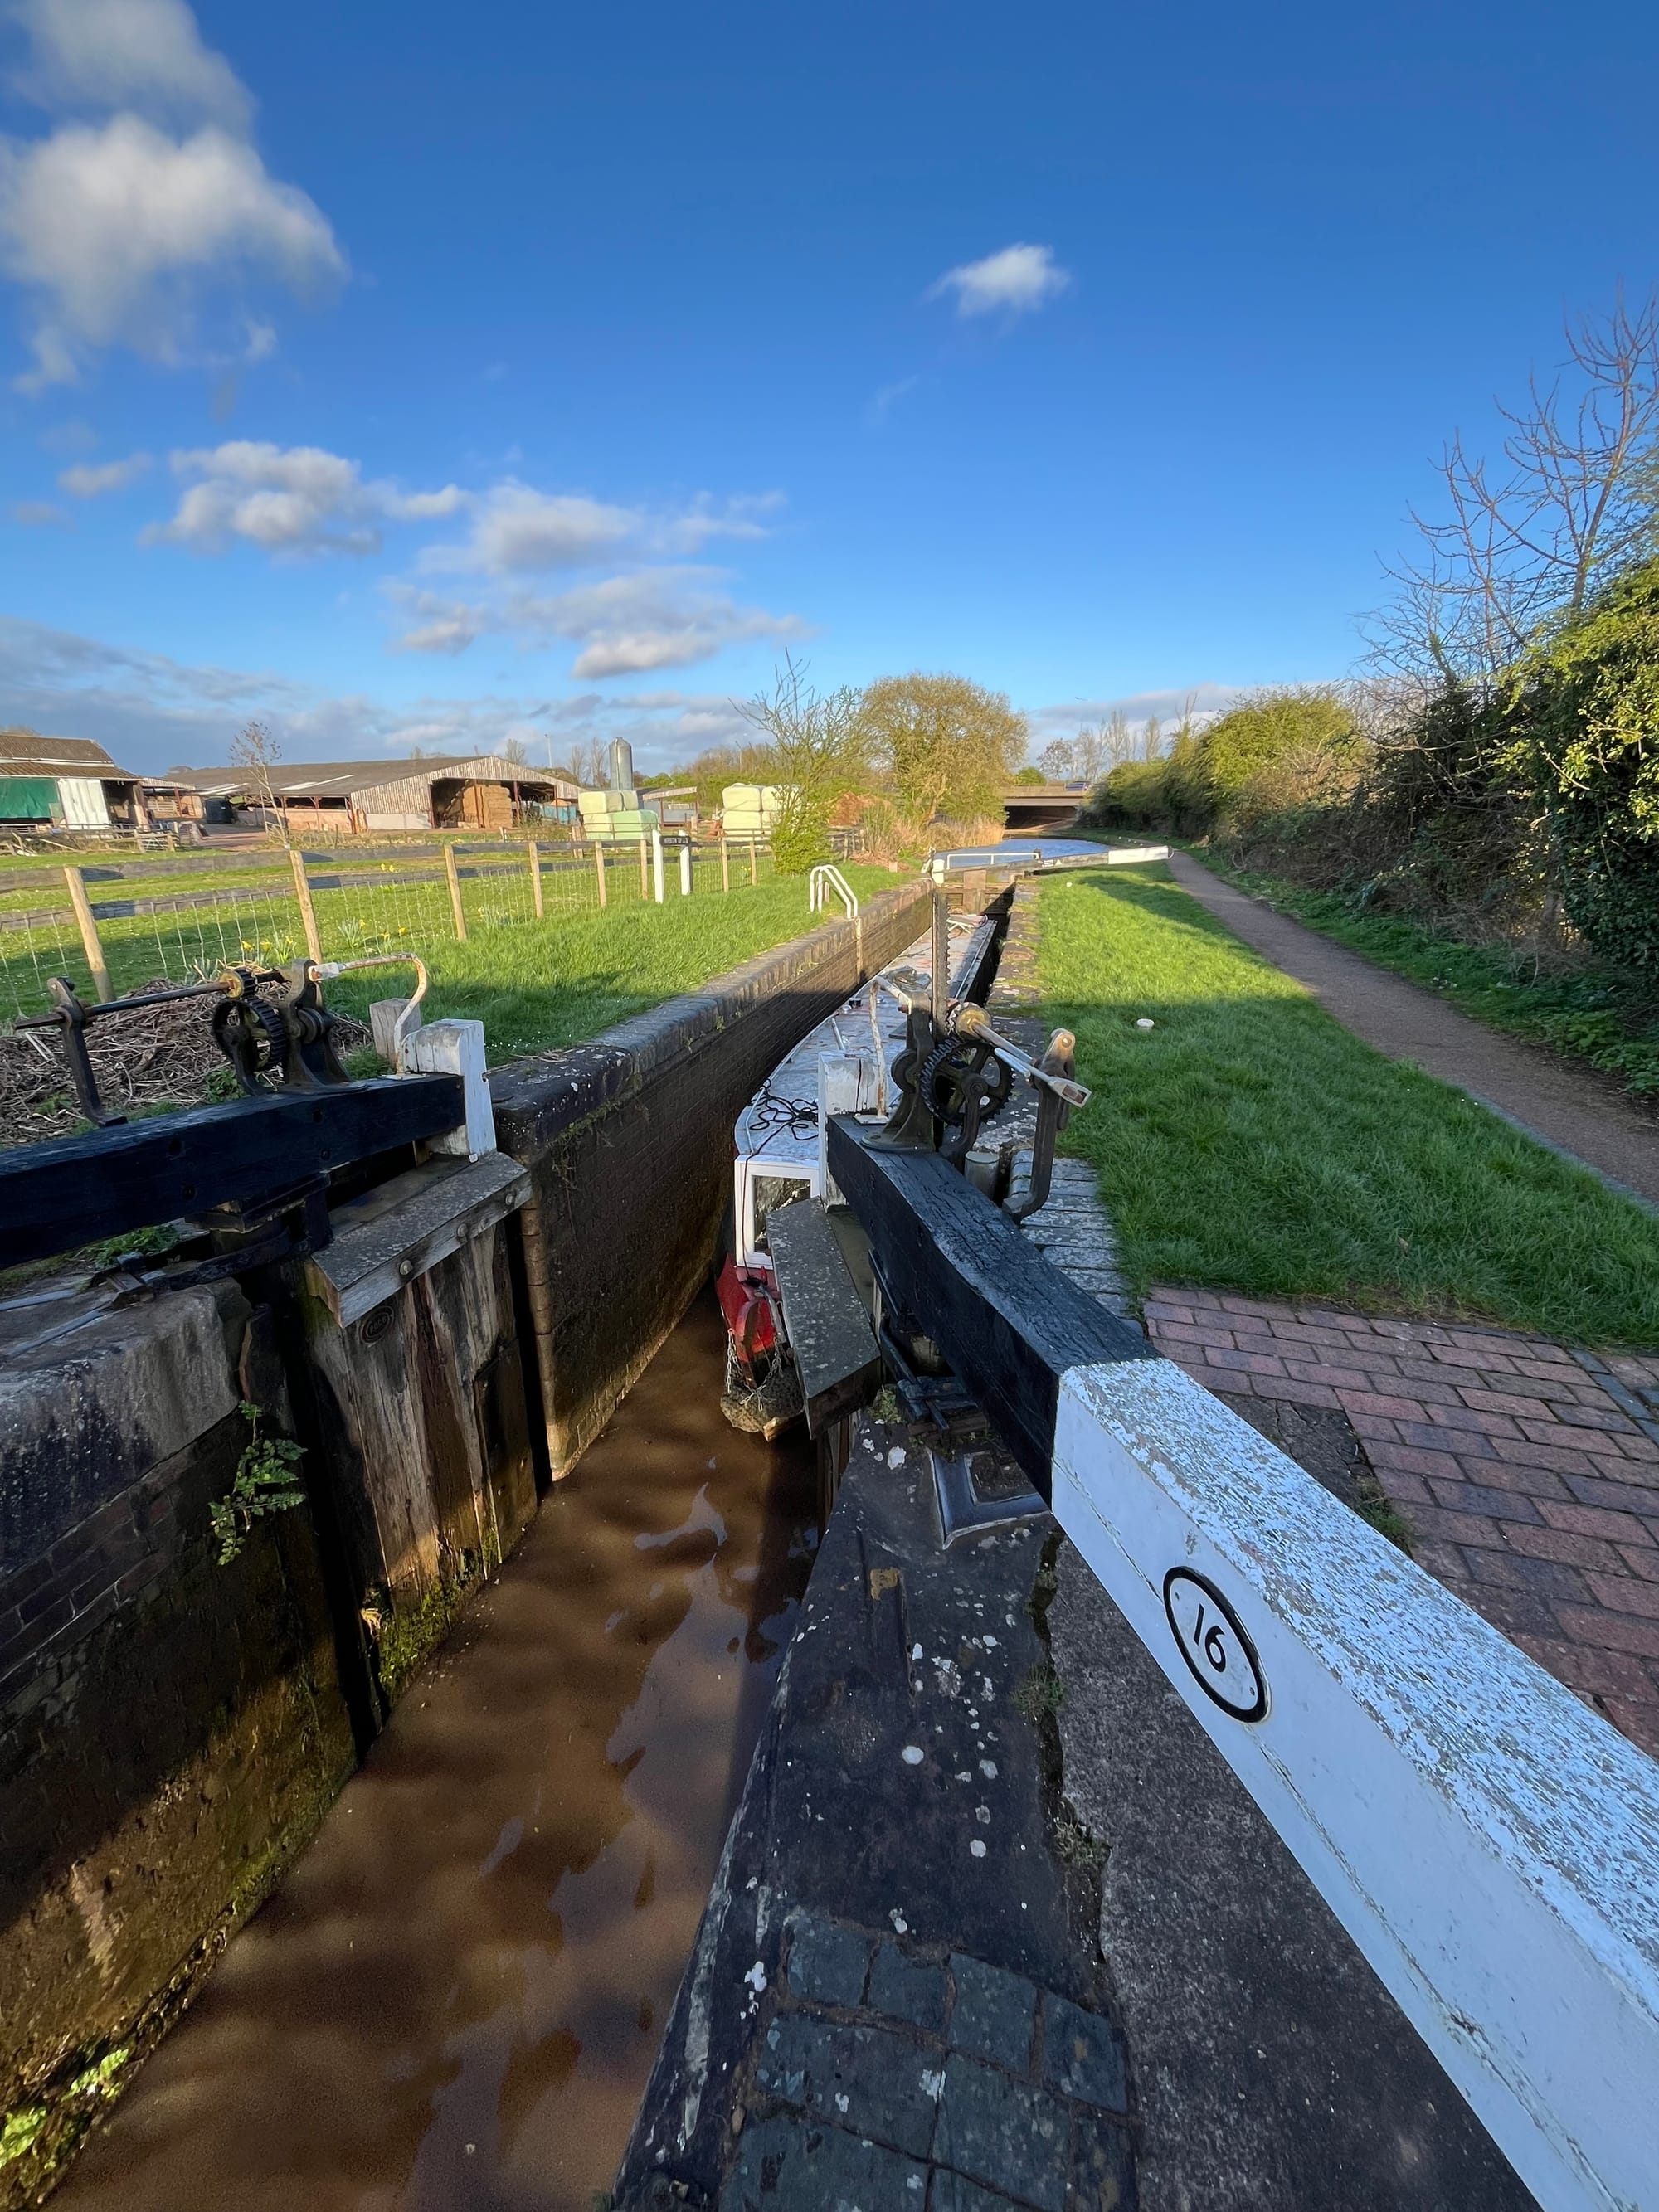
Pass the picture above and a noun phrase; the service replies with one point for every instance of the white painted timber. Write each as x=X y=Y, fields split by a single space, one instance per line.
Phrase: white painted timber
x=1491 y=1845
x=456 y=1048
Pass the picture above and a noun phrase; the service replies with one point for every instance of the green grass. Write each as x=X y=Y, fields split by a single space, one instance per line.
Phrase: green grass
x=1592 y=1013
x=534 y=984
x=1248 y=1142
x=564 y=980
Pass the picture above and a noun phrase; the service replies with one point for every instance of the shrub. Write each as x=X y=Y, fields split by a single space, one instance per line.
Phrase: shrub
x=801 y=831
x=890 y=835
x=1279 y=751
x=1581 y=728
x=1131 y=797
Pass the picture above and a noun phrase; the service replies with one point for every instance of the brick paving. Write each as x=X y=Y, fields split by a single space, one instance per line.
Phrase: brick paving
x=1528 y=1474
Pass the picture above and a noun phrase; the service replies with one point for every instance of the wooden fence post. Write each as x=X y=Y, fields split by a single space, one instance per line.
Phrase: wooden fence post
x=536 y=877
x=645 y=869
x=455 y=894
x=725 y=864
x=656 y=865
x=598 y=868
x=307 y=911
x=89 y=940
x=754 y=871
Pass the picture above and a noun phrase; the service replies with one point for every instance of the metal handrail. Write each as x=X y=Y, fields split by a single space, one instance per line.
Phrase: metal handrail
x=826 y=876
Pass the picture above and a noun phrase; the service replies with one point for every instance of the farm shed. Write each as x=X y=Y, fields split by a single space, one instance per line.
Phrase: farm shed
x=484 y=791
x=63 y=783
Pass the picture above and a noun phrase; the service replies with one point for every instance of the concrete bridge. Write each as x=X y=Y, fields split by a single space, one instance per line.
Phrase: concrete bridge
x=1035 y=807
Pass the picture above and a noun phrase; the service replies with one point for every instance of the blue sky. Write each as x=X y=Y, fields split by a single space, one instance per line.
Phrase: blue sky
x=428 y=374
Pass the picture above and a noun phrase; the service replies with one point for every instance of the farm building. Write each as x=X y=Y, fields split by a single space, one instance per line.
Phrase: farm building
x=63 y=783
x=484 y=791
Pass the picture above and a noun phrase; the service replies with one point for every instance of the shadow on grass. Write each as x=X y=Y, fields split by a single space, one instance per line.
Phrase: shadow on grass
x=1249 y=1142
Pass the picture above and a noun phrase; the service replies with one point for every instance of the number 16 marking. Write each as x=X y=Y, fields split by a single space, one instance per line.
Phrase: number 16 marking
x=1212 y=1640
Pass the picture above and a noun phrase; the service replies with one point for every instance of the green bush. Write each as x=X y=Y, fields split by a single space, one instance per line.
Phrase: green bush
x=1581 y=728
x=801 y=831
x=1278 y=751
x=1131 y=797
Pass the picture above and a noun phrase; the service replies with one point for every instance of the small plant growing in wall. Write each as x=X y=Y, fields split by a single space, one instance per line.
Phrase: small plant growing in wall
x=265 y=1484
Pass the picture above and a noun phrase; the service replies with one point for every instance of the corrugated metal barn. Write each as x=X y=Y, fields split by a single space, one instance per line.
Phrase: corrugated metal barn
x=63 y=783
x=484 y=791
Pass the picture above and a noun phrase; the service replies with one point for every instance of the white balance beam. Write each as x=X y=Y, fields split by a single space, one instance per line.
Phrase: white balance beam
x=1491 y=1845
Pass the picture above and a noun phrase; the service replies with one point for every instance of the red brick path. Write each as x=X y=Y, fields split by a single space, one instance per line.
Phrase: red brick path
x=1530 y=1483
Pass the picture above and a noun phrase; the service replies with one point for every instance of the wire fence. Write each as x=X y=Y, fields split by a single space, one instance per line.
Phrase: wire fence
x=110 y=929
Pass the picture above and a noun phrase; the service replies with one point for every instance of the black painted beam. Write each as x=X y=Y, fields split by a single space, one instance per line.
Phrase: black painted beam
x=828 y=1324
x=1007 y=1320
x=72 y=1191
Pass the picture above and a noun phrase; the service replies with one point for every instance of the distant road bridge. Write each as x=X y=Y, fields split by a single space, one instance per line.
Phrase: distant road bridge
x=1041 y=806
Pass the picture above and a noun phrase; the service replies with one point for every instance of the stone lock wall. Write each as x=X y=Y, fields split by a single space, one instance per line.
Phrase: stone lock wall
x=171 y=1729
x=629 y=1142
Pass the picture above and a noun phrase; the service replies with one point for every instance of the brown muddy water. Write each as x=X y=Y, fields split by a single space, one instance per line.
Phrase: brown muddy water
x=453 y=2001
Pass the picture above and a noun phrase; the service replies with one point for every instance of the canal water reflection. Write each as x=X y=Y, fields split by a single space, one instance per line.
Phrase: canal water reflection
x=453 y=2001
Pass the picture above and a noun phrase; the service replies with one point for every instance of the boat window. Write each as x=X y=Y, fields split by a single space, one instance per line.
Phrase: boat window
x=770 y=1192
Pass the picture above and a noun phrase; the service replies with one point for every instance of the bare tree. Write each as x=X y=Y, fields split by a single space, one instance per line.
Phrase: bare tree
x=817 y=749
x=1152 y=737
x=254 y=749
x=514 y=750
x=1118 y=738
x=1057 y=761
x=590 y=766
x=815 y=740
x=1573 y=499
x=1088 y=756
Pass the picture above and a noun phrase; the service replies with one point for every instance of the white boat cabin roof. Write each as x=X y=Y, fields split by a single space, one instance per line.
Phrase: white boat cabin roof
x=779 y=1127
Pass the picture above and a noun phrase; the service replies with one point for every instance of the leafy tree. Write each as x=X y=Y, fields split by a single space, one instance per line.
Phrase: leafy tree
x=1283 y=748
x=949 y=745
x=1132 y=797
x=1032 y=776
x=1580 y=718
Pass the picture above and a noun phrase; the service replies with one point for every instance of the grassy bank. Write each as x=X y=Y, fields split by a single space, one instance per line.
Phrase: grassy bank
x=1594 y=1013
x=1248 y=1142
x=558 y=982
x=535 y=986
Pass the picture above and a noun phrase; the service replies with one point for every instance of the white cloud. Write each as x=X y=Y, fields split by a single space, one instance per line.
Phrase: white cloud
x=288 y=499
x=883 y=402
x=519 y=528
x=142 y=54
x=90 y=480
x=126 y=230
x=625 y=625
x=151 y=711
x=519 y=531
x=441 y=625
x=114 y=228
x=1014 y=281
x=1064 y=721
x=39 y=514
